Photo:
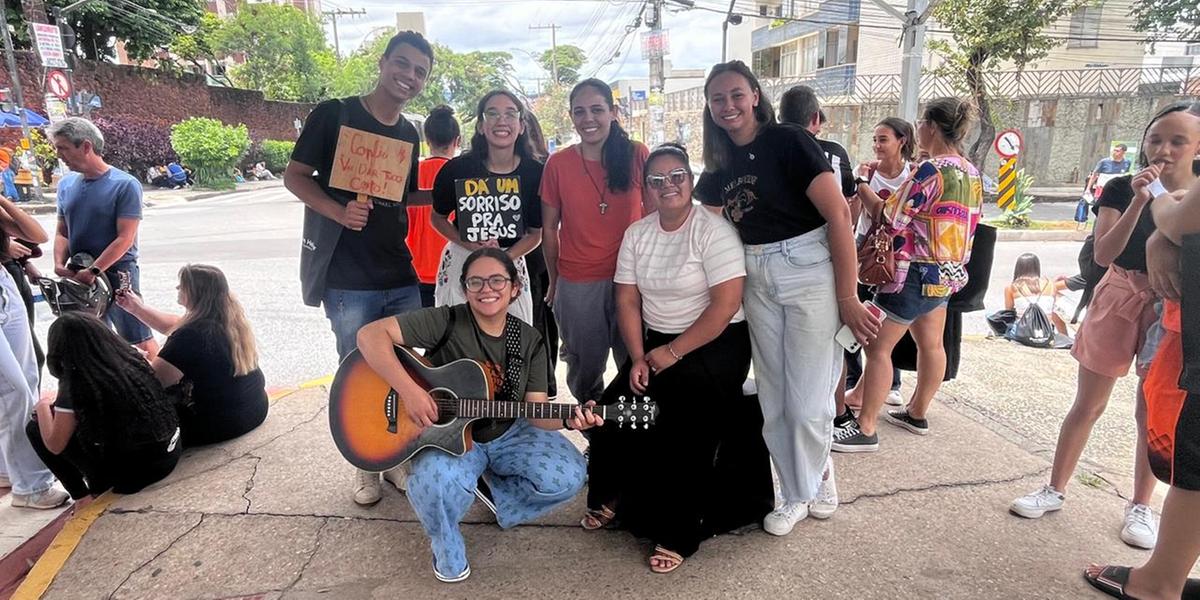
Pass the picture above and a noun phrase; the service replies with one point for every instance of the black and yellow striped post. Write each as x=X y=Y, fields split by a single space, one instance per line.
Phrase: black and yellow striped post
x=1007 y=197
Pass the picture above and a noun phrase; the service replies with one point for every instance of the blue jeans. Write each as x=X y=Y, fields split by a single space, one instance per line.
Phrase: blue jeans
x=530 y=471
x=18 y=394
x=349 y=310
x=128 y=326
x=791 y=307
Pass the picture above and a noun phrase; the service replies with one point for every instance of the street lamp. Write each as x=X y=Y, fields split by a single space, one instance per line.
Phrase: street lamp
x=730 y=19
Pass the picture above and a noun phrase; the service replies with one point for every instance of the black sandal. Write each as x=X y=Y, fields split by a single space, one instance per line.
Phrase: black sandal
x=1111 y=580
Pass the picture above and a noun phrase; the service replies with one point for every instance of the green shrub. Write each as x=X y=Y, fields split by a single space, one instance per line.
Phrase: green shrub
x=277 y=153
x=211 y=148
x=1018 y=215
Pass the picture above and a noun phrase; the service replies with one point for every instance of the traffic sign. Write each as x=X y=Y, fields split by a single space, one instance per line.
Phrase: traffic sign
x=1009 y=143
x=58 y=84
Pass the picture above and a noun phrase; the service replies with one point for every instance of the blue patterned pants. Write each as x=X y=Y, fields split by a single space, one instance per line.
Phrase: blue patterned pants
x=531 y=471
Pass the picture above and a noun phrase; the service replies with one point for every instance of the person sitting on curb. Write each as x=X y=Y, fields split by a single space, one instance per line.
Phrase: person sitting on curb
x=111 y=425
x=211 y=347
x=441 y=486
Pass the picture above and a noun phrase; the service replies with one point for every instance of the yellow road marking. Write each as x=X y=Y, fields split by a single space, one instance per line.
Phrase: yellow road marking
x=52 y=560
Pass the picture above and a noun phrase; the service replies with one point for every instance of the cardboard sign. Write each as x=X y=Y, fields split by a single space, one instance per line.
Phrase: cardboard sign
x=371 y=165
x=489 y=208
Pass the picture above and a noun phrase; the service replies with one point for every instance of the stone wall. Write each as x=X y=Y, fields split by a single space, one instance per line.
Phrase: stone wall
x=165 y=98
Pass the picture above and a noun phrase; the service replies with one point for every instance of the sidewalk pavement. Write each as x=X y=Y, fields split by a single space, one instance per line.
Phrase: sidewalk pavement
x=269 y=516
x=153 y=196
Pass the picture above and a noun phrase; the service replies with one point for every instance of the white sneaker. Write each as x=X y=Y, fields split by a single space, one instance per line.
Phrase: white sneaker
x=366 y=491
x=784 y=518
x=1036 y=504
x=44 y=500
x=826 y=502
x=398 y=477
x=894 y=398
x=1141 y=528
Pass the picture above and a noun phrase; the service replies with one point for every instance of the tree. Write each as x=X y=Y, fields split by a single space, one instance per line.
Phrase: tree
x=1167 y=19
x=570 y=60
x=458 y=79
x=286 y=53
x=986 y=34
x=99 y=25
x=553 y=112
x=200 y=45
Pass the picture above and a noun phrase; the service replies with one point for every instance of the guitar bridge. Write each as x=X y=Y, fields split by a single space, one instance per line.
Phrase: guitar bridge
x=391 y=405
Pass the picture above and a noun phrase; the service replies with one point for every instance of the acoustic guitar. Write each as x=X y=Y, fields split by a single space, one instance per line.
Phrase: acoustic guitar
x=373 y=431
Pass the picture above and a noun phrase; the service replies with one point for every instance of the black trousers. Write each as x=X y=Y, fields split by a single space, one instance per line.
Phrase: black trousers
x=543 y=315
x=703 y=468
x=82 y=473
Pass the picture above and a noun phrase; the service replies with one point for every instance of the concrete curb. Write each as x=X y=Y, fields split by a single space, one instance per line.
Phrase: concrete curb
x=1054 y=235
x=165 y=197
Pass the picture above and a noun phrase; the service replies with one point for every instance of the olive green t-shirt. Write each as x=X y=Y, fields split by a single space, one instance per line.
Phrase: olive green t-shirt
x=424 y=328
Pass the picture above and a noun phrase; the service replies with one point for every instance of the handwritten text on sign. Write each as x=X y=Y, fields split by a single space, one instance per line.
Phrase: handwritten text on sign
x=371 y=164
x=489 y=208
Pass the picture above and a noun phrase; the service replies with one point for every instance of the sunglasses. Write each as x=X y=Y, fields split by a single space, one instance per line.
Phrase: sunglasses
x=676 y=176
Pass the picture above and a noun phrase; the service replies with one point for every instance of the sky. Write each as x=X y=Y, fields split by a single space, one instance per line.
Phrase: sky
x=596 y=26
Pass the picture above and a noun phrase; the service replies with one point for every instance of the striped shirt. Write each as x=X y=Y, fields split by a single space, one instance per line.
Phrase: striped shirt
x=673 y=270
x=933 y=217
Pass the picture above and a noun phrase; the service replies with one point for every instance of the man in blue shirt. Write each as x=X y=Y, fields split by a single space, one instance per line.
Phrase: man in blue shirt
x=99 y=211
x=1116 y=165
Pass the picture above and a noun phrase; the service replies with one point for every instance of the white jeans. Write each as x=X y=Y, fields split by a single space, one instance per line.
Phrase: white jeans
x=791 y=306
x=18 y=393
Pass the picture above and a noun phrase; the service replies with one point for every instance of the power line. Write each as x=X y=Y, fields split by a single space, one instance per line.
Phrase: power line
x=333 y=18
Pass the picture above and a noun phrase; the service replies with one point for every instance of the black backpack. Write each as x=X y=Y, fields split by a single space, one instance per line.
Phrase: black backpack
x=1033 y=328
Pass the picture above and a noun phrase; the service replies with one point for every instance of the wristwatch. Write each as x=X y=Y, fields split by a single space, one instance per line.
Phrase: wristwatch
x=94 y=270
x=861 y=180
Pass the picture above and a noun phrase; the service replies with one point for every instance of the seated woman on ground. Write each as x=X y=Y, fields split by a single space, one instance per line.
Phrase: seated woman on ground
x=679 y=280
x=211 y=347
x=1028 y=287
x=111 y=425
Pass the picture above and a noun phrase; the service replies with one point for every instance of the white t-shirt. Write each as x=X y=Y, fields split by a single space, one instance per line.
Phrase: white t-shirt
x=884 y=187
x=674 y=270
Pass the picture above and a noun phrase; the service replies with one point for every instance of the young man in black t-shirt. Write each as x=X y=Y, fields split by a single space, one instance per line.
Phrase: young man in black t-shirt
x=354 y=259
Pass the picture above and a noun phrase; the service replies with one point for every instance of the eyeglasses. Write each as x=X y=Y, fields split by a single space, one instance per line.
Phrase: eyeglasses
x=496 y=282
x=658 y=180
x=492 y=116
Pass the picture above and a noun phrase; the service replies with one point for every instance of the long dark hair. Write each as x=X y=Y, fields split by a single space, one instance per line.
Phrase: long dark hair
x=118 y=401
x=1192 y=108
x=718 y=147
x=904 y=131
x=617 y=153
x=537 y=138
x=479 y=146
x=209 y=298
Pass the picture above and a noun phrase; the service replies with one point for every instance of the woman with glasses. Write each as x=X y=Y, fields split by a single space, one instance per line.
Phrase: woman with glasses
x=774 y=183
x=590 y=195
x=679 y=281
x=529 y=467
x=499 y=148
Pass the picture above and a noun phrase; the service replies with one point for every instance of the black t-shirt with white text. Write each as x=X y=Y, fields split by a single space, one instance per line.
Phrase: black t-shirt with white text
x=468 y=166
x=1118 y=194
x=839 y=159
x=762 y=191
x=377 y=257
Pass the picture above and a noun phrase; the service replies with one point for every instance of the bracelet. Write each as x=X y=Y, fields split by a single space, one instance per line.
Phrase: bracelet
x=672 y=351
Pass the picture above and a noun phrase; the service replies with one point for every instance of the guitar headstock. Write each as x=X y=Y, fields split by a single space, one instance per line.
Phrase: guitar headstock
x=635 y=412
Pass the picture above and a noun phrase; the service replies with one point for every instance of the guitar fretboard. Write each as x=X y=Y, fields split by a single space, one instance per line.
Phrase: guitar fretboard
x=493 y=409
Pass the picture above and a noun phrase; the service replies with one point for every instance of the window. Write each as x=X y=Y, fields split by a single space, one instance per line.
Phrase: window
x=1192 y=50
x=810 y=48
x=787 y=60
x=829 y=49
x=1085 y=26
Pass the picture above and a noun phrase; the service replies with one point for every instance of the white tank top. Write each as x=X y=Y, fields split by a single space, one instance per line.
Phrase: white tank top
x=884 y=187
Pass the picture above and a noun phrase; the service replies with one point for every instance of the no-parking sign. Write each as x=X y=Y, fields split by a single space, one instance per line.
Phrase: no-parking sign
x=58 y=84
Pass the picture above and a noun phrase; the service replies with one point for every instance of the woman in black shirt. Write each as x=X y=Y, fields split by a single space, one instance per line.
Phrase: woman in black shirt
x=1116 y=330
x=212 y=348
x=111 y=425
x=774 y=183
x=494 y=214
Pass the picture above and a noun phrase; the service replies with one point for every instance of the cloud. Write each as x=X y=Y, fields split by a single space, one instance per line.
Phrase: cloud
x=597 y=27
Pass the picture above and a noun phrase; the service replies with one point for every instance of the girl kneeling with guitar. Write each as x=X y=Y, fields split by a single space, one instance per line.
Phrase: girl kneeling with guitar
x=529 y=469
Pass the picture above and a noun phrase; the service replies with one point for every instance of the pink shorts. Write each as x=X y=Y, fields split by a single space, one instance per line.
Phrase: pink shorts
x=1114 y=330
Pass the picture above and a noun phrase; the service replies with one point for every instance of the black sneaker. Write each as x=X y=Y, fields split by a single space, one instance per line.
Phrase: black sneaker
x=844 y=419
x=901 y=418
x=483 y=492
x=855 y=441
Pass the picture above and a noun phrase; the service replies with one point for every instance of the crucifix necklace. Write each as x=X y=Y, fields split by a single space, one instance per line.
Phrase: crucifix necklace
x=603 y=204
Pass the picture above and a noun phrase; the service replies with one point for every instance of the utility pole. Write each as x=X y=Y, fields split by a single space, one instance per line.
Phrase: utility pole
x=912 y=41
x=657 y=49
x=553 y=27
x=730 y=19
x=333 y=18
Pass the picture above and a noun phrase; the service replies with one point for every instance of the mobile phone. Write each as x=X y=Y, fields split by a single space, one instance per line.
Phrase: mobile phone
x=846 y=338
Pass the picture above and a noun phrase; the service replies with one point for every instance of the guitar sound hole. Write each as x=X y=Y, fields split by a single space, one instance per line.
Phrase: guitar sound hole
x=447 y=405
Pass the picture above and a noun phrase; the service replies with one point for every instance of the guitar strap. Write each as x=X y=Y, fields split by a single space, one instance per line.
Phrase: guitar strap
x=512 y=359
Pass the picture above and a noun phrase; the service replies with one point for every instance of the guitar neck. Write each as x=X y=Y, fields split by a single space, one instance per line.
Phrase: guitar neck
x=493 y=409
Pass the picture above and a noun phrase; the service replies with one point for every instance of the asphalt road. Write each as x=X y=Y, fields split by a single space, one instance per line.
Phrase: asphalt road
x=254 y=237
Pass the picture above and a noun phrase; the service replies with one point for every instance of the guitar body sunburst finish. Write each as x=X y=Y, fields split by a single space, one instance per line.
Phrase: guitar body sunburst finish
x=359 y=415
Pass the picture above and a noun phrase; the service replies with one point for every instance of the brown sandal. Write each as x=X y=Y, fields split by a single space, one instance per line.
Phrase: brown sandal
x=597 y=518
x=667 y=561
